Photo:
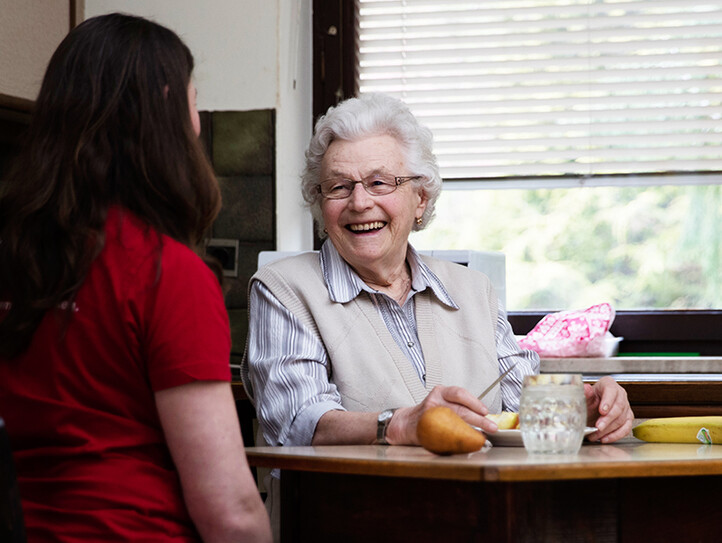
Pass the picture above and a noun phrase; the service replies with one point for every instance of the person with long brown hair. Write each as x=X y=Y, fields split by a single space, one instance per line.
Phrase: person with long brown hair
x=114 y=338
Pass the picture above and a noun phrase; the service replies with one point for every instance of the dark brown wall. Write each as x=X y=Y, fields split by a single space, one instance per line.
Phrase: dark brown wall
x=241 y=145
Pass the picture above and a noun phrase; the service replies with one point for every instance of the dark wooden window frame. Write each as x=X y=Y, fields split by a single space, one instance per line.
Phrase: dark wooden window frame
x=335 y=38
x=335 y=77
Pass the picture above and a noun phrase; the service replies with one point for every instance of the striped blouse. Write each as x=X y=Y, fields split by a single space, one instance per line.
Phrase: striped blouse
x=288 y=364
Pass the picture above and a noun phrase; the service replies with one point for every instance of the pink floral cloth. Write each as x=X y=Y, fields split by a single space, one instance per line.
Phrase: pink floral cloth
x=571 y=333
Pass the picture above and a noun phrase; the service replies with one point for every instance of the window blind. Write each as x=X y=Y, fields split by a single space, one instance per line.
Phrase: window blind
x=553 y=88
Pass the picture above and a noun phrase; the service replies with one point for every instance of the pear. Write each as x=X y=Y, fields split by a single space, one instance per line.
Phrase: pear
x=441 y=431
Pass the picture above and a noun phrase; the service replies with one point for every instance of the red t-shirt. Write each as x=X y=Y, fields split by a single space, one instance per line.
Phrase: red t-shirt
x=91 y=458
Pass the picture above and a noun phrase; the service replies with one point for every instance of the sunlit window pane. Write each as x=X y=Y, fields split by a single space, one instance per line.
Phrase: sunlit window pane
x=605 y=116
x=635 y=247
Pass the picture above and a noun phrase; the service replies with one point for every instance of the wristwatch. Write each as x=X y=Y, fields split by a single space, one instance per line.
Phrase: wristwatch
x=383 y=425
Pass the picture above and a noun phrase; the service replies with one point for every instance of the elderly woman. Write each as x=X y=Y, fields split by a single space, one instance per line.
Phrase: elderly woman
x=352 y=345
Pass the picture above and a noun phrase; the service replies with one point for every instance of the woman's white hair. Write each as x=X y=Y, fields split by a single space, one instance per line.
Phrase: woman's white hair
x=373 y=115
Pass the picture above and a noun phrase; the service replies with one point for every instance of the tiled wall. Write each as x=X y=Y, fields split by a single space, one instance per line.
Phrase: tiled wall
x=241 y=145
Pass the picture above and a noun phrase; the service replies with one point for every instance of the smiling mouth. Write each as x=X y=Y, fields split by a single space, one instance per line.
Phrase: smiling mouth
x=366 y=227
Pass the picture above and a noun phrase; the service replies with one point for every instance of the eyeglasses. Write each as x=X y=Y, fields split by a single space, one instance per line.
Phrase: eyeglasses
x=376 y=185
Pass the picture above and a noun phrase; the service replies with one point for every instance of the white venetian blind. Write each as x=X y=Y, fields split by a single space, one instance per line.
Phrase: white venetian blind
x=548 y=88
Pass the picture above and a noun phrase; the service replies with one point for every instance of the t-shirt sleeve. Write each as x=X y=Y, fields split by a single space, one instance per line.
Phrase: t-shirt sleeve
x=186 y=322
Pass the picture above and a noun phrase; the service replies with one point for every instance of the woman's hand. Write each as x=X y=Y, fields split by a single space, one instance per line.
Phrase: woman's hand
x=402 y=429
x=608 y=410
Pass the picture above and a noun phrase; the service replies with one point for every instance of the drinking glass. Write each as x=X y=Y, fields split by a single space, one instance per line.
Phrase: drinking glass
x=553 y=413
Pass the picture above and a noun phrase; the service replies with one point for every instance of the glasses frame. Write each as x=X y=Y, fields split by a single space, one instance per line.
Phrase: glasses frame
x=398 y=179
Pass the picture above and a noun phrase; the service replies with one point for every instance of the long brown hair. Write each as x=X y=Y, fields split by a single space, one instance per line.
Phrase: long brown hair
x=111 y=126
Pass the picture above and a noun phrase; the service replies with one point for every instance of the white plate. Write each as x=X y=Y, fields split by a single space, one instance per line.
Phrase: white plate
x=512 y=438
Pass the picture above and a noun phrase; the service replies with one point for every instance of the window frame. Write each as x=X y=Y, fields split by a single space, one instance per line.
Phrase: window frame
x=335 y=77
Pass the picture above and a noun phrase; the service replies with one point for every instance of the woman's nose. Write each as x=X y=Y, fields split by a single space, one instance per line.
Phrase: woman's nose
x=359 y=198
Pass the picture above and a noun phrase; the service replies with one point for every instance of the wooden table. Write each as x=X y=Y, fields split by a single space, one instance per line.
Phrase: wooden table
x=630 y=491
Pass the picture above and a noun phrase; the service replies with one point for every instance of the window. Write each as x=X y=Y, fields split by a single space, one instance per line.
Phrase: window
x=553 y=88
x=602 y=114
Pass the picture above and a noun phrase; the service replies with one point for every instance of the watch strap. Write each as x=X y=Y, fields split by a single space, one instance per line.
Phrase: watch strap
x=382 y=425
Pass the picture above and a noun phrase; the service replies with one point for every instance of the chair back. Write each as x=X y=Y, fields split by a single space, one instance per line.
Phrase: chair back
x=12 y=526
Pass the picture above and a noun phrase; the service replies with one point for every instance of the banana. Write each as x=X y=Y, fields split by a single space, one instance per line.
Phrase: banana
x=706 y=430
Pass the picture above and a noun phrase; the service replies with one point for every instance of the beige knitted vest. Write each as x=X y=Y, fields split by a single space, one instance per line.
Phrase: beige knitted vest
x=368 y=368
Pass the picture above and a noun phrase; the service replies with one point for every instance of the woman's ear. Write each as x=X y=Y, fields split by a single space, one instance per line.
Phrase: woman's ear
x=423 y=202
x=166 y=90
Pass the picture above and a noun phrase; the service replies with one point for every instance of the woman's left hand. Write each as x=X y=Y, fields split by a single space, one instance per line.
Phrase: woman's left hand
x=402 y=428
x=608 y=410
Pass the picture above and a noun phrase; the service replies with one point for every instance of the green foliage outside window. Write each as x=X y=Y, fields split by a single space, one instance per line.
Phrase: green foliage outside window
x=656 y=247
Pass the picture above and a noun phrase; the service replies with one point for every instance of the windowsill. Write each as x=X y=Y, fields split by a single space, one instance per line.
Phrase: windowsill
x=703 y=368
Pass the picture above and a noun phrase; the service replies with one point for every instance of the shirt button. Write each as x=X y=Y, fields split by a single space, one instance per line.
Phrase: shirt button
x=410 y=344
